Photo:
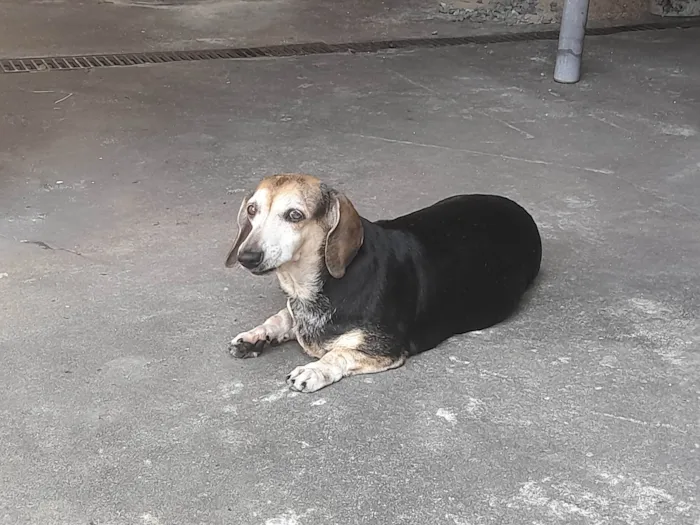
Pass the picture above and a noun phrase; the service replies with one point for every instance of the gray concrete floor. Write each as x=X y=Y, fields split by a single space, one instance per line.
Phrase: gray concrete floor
x=50 y=27
x=120 y=406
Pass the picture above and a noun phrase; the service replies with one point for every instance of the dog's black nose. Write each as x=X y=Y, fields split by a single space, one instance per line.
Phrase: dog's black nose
x=250 y=259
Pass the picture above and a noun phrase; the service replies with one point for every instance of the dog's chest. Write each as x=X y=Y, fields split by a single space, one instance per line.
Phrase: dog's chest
x=310 y=320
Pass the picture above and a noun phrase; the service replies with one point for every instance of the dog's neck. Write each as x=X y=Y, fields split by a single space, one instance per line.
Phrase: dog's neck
x=301 y=280
x=311 y=310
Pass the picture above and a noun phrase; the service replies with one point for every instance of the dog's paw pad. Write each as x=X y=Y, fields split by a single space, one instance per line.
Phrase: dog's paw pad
x=306 y=379
x=243 y=349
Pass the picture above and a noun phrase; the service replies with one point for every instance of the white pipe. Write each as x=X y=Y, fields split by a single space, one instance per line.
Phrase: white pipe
x=571 y=33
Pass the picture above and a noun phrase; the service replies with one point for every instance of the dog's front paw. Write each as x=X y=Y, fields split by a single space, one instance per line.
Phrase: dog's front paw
x=307 y=379
x=242 y=349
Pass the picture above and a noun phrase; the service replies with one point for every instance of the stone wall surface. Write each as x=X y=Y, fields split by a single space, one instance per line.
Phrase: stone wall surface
x=514 y=12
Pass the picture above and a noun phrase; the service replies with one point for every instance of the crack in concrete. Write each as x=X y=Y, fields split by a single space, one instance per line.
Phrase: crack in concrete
x=45 y=246
x=483 y=153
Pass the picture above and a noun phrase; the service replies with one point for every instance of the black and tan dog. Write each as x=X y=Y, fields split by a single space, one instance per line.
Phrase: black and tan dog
x=364 y=296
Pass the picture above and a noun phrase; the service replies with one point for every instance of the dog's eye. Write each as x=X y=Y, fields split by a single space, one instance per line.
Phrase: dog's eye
x=251 y=210
x=294 y=216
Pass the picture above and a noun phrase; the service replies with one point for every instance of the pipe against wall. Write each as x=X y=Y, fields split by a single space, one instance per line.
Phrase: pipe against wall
x=571 y=33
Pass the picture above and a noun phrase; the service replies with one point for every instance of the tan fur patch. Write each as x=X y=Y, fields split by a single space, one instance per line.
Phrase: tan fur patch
x=358 y=362
x=344 y=351
x=348 y=341
x=307 y=186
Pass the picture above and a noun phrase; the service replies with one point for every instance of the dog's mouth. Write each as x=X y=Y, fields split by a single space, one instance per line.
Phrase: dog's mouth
x=262 y=271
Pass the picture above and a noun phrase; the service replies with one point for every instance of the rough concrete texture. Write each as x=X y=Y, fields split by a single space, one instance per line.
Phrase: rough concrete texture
x=118 y=190
x=514 y=12
x=675 y=7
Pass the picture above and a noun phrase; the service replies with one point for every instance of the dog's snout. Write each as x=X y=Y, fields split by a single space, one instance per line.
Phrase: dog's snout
x=250 y=258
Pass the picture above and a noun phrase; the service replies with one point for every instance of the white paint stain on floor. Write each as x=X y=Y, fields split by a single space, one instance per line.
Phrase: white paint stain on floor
x=575 y=203
x=608 y=499
x=447 y=415
x=231 y=389
x=558 y=506
x=149 y=519
x=678 y=131
x=288 y=518
x=649 y=307
x=457 y=520
x=275 y=396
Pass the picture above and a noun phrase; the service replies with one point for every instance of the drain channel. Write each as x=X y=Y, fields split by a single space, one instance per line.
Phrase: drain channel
x=73 y=62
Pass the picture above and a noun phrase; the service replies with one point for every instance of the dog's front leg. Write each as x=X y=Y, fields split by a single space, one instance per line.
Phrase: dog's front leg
x=276 y=330
x=347 y=355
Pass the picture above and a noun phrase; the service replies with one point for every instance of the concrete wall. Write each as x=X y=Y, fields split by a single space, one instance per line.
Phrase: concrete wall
x=614 y=9
x=540 y=11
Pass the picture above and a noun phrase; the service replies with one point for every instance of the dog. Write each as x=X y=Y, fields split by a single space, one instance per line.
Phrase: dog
x=364 y=296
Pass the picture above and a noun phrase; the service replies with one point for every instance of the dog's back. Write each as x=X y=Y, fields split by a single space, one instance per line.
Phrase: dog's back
x=478 y=255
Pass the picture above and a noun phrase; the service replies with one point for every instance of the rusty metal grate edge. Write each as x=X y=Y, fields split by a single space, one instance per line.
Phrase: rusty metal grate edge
x=83 y=62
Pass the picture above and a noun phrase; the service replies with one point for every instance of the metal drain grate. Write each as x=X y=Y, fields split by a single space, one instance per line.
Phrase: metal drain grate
x=64 y=63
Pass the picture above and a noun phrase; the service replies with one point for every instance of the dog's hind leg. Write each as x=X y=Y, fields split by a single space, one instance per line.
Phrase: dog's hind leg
x=347 y=355
x=276 y=330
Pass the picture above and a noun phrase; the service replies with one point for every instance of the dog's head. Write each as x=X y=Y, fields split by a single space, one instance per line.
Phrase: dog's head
x=291 y=219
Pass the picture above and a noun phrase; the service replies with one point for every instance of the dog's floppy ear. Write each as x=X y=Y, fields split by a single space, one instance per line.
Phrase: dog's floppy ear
x=344 y=237
x=244 y=228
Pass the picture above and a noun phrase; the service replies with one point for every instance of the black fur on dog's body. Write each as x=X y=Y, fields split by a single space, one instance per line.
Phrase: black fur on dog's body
x=459 y=265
